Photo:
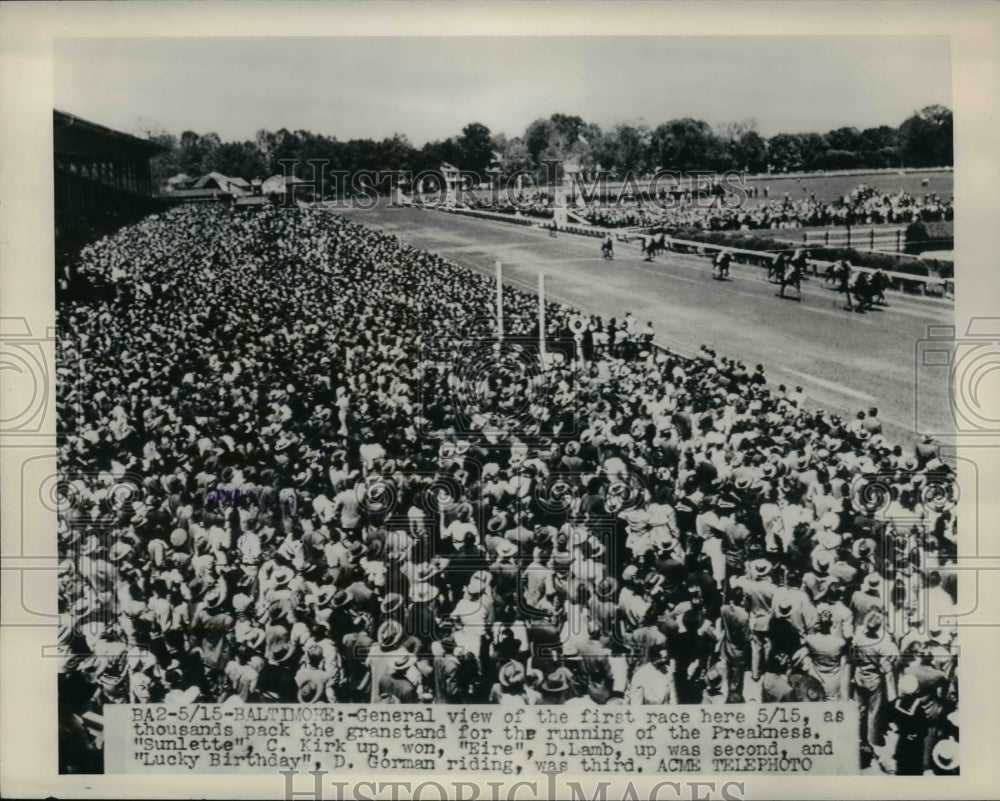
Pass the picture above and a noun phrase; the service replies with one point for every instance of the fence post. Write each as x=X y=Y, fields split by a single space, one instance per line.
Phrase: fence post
x=871 y=239
x=826 y=237
x=899 y=238
x=848 y=235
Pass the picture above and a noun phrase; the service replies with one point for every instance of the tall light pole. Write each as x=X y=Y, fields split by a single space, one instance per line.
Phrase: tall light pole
x=541 y=318
x=499 y=269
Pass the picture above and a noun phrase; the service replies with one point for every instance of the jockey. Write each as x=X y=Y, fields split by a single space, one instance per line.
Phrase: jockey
x=862 y=291
x=800 y=261
x=878 y=284
x=845 y=281
x=790 y=275
x=778 y=266
x=722 y=260
x=608 y=245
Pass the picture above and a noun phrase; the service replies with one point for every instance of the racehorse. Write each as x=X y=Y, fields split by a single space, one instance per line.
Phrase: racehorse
x=832 y=274
x=652 y=245
x=801 y=260
x=863 y=293
x=776 y=268
x=608 y=248
x=720 y=265
x=879 y=281
x=841 y=272
x=791 y=275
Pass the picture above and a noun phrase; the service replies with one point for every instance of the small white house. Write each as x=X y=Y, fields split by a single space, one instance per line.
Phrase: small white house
x=276 y=184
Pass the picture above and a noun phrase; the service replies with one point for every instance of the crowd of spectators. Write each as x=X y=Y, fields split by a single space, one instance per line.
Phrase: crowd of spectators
x=865 y=205
x=533 y=204
x=297 y=468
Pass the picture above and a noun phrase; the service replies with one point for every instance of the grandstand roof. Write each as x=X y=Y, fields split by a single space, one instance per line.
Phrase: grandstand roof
x=75 y=136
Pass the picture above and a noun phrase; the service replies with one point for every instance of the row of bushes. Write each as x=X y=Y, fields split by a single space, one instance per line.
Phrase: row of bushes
x=923 y=236
x=876 y=261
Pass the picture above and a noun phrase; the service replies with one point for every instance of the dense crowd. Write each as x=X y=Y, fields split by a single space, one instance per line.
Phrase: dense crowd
x=532 y=204
x=865 y=205
x=297 y=467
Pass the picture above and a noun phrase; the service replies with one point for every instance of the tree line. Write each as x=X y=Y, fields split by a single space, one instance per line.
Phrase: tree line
x=682 y=145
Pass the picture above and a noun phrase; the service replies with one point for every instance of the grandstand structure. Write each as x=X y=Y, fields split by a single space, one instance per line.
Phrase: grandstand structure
x=102 y=180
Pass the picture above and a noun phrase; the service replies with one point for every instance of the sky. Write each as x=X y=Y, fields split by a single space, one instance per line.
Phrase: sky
x=430 y=88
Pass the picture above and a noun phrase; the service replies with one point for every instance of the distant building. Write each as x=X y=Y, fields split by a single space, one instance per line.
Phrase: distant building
x=223 y=183
x=276 y=184
x=101 y=180
x=212 y=186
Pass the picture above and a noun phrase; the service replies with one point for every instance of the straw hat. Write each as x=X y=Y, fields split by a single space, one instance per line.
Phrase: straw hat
x=945 y=755
x=389 y=635
x=512 y=673
x=392 y=602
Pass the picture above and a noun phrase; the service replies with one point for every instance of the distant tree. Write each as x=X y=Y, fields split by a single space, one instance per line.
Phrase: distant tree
x=750 y=152
x=281 y=145
x=812 y=146
x=237 y=160
x=880 y=147
x=734 y=131
x=784 y=153
x=687 y=144
x=191 y=154
x=837 y=160
x=926 y=138
x=632 y=149
x=848 y=139
x=395 y=153
x=884 y=136
x=568 y=127
x=475 y=148
x=167 y=164
x=514 y=155
x=604 y=152
x=537 y=139
x=588 y=137
x=433 y=154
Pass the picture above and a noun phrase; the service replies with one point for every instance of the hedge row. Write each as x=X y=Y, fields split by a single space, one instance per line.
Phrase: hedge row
x=921 y=236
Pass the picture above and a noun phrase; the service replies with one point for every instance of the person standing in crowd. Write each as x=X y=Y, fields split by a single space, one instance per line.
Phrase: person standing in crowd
x=653 y=682
x=735 y=638
x=828 y=652
x=909 y=716
x=873 y=658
